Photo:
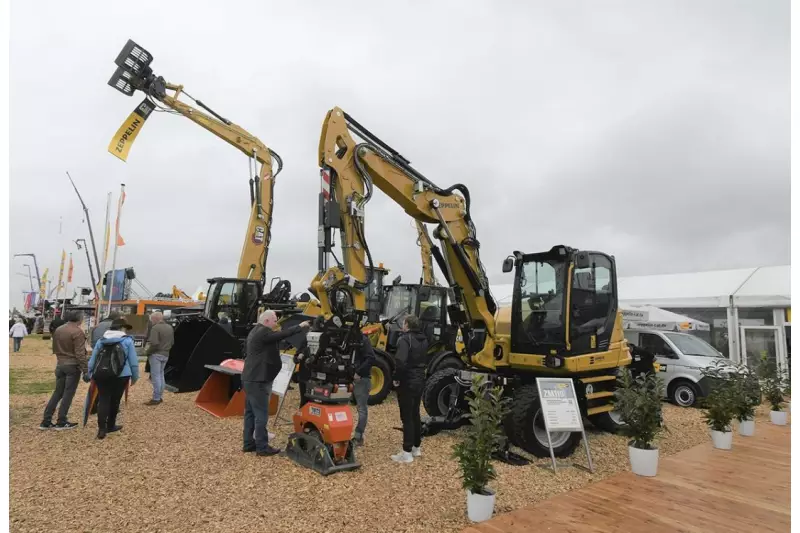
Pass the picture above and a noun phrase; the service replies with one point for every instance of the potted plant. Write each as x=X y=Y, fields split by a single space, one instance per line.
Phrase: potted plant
x=474 y=453
x=720 y=403
x=638 y=402
x=746 y=397
x=775 y=386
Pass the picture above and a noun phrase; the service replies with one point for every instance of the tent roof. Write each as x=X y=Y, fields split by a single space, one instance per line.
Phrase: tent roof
x=750 y=287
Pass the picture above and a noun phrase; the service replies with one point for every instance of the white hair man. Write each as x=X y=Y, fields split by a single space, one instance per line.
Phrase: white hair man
x=159 y=343
x=262 y=364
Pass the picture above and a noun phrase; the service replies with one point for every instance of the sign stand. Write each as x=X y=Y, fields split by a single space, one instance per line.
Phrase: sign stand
x=561 y=412
x=281 y=385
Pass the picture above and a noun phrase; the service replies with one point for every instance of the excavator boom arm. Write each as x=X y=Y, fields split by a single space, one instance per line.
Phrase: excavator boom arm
x=253 y=259
x=352 y=169
x=426 y=252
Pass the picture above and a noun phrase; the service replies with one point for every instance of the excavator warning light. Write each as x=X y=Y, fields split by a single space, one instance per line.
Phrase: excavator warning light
x=134 y=59
x=123 y=81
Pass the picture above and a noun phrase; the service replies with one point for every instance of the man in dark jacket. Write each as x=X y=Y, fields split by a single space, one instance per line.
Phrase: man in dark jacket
x=69 y=345
x=102 y=326
x=261 y=365
x=410 y=358
x=362 y=383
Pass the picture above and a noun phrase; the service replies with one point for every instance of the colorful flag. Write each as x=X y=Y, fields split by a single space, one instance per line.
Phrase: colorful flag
x=43 y=287
x=69 y=272
x=120 y=240
x=61 y=268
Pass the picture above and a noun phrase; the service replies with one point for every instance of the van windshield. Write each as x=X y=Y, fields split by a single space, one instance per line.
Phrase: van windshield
x=690 y=345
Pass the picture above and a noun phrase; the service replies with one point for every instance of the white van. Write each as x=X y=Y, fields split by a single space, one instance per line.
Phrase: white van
x=681 y=357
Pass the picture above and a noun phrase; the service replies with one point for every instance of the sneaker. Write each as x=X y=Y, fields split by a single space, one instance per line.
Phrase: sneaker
x=249 y=450
x=101 y=434
x=416 y=451
x=358 y=441
x=269 y=451
x=114 y=429
x=403 y=457
x=153 y=402
x=47 y=425
x=65 y=425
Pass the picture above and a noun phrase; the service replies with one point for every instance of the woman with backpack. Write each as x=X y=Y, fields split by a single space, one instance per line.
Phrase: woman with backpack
x=113 y=363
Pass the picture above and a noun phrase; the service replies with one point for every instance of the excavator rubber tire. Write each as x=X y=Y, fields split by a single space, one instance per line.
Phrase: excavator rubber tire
x=382 y=368
x=449 y=362
x=604 y=422
x=524 y=407
x=433 y=387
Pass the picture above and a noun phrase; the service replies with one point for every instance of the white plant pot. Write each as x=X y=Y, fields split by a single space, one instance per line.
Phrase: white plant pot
x=747 y=428
x=643 y=462
x=723 y=440
x=778 y=417
x=479 y=506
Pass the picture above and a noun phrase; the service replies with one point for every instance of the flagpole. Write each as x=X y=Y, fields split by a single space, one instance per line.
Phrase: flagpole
x=116 y=239
x=102 y=276
x=66 y=287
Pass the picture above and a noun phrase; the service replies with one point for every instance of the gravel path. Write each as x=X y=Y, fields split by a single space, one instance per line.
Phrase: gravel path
x=176 y=468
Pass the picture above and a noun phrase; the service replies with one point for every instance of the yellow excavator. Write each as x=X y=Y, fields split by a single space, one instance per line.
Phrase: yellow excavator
x=199 y=340
x=564 y=319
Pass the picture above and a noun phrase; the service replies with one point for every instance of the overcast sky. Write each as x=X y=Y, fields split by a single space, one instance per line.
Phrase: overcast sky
x=656 y=131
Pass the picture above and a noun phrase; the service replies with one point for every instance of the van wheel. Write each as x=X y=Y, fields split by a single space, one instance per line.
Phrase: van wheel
x=683 y=393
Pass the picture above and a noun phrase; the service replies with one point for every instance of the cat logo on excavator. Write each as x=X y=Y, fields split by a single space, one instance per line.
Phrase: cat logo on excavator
x=258 y=235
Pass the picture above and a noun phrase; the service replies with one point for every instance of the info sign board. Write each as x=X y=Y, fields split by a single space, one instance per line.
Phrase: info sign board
x=561 y=411
x=280 y=385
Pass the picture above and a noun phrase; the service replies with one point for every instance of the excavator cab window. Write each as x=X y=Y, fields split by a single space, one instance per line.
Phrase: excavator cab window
x=538 y=314
x=237 y=299
x=593 y=303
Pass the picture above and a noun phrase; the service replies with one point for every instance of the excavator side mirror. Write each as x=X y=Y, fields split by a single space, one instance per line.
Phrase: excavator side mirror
x=396 y=281
x=508 y=264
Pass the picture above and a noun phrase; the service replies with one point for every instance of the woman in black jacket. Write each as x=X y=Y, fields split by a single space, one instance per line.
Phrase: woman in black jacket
x=410 y=358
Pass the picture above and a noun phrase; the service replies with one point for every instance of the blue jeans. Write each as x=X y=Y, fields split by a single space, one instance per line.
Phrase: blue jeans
x=256 y=414
x=17 y=343
x=157 y=364
x=361 y=393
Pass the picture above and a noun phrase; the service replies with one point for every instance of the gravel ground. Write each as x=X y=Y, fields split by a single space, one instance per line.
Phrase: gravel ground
x=176 y=468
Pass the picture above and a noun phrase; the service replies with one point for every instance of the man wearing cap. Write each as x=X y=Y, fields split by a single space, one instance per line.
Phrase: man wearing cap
x=69 y=345
x=111 y=388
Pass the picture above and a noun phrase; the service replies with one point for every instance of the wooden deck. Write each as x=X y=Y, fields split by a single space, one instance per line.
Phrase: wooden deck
x=700 y=490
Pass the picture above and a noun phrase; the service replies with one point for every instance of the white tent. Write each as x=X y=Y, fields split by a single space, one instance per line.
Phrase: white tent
x=637 y=317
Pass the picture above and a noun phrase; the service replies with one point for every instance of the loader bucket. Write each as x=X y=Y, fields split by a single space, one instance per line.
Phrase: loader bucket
x=198 y=342
x=222 y=394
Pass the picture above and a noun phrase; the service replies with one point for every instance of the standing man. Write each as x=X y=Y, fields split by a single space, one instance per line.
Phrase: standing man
x=411 y=358
x=17 y=332
x=102 y=326
x=69 y=345
x=261 y=365
x=159 y=343
x=362 y=383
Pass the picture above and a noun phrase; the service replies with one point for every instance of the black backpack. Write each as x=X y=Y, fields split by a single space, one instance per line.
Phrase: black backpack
x=110 y=361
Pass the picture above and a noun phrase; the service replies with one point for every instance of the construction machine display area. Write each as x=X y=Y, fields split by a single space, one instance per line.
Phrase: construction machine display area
x=564 y=320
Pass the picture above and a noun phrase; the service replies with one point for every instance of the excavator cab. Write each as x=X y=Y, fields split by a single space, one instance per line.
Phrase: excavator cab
x=200 y=339
x=429 y=303
x=564 y=304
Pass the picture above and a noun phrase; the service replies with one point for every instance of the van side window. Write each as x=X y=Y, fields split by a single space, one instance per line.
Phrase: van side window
x=654 y=344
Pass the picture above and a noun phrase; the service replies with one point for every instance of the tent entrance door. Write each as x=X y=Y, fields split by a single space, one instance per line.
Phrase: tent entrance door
x=759 y=342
